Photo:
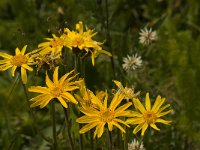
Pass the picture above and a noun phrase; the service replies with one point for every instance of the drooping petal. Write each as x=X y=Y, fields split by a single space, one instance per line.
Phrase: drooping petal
x=144 y=128
x=154 y=126
x=64 y=104
x=13 y=70
x=118 y=126
x=110 y=126
x=23 y=75
x=69 y=97
x=101 y=129
x=27 y=67
x=5 y=67
x=138 y=128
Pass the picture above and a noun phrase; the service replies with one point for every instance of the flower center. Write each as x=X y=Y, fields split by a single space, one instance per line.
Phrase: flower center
x=56 y=91
x=78 y=41
x=107 y=115
x=149 y=116
x=19 y=60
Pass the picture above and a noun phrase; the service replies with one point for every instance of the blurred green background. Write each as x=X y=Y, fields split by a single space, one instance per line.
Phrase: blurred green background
x=171 y=66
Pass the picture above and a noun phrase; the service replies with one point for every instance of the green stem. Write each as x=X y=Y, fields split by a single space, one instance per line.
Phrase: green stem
x=91 y=140
x=54 y=125
x=109 y=39
x=33 y=116
x=68 y=128
x=110 y=140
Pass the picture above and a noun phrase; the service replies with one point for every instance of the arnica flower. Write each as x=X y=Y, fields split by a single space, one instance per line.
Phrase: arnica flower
x=131 y=62
x=81 y=41
x=56 y=89
x=135 y=145
x=128 y=92
x=84 y=98
x=99 y=117
x=147 y=36
x=147 y=115
x=53 y=45
x=20 y=59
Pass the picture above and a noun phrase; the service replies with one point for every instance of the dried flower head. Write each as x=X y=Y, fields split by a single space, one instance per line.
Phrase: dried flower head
x=131 y=62
x=135 y=145
x=147 y=36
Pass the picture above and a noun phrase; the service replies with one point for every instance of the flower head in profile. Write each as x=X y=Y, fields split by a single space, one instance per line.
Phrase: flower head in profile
x=20 y=59
x=135 y=145
x=128 y=92
x=131 y=62
x=148 y=116
x=57 y=89
x=147 y=36
x=81 y=41
x=99 y=117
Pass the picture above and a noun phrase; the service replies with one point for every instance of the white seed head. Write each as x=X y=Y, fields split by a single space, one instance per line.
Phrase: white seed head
x=147 y=36
x=131 y=62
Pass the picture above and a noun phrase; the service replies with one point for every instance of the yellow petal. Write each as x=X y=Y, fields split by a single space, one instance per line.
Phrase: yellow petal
x=87 y=119
x=55 y=75
x=64 y=104
x=135 y=121
x=158 y=103
x=27 y=67
x=5 y=67
x=110 y=126
x=17 y=51
x=138 y=128
x=116 y=100
x=101 y=130
x=164 y=113
x=63 y=78
x=69 y=97
x=88 y=127
x=138 y=105
x=154 y=126
x=122 y=108
x=23 y=75
x=13 y=70
x=5 y=55
x=23 y=50
x=144 y=128
x=163 y=121
x=148 y=102
x=49 y=83
x=38 y=89
x=118 y=126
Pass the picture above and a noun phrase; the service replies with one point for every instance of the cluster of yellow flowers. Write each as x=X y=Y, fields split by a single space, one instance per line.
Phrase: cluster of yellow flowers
x=100 y=109
x=79 y=41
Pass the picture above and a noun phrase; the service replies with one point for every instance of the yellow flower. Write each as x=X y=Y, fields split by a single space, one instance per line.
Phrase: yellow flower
x=83 y=41
x=19 y=60
x=79 y=38
x=54 y=45
x=56 y=89
x=147 y=115
x=128 y=92
x=99 y=117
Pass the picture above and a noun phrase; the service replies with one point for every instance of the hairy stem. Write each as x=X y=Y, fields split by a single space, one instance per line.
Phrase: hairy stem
x=54 y=125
